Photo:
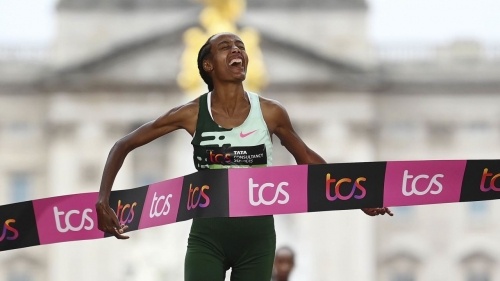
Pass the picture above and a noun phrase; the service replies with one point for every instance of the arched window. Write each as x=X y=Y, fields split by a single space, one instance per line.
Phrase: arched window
x=402 y=266
x=478 y=208
x=23 y=268
x=477 y=267
x=20 y=186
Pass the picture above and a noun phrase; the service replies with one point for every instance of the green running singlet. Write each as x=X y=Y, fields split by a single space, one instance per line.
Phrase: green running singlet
x=246 y=244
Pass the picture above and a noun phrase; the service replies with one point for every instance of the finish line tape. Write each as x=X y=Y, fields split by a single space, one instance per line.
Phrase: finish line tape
x=253 y=192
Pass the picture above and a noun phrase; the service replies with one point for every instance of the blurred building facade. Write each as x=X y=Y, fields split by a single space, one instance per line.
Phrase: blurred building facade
x=114 y=65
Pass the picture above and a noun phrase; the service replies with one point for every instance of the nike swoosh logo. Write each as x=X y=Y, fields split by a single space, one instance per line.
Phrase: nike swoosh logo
x=247 y=134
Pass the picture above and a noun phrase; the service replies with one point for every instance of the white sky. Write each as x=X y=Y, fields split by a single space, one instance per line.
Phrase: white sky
x=390 y=21
x=434 y=21
x=27 y=21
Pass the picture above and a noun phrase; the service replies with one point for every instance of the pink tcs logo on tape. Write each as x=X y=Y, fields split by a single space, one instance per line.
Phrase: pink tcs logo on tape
x=265 y=191
x=67 y=218
x=8 y=232
x=423 y=182
x=162 y=203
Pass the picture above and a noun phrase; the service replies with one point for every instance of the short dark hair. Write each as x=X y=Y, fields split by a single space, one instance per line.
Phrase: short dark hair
x=286 y=249
x=204 y=51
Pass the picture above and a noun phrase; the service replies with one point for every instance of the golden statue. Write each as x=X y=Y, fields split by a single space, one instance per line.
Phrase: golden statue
x=220 y=16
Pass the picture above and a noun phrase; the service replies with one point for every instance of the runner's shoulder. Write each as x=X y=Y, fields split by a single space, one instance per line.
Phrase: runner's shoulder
x=181 y=115
x=187 y=110
x=271 y=107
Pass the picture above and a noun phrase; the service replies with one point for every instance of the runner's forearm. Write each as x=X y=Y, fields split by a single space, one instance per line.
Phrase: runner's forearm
x=114 y=162
x=311 y=158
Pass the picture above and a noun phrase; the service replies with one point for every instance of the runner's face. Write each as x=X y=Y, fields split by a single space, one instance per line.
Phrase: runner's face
x=283 y=264
x=229 y=59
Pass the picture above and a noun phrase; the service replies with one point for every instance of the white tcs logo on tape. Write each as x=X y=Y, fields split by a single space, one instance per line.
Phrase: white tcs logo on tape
x=67 y=216
x=414 y=190
x=153 y=212
x=261 y=200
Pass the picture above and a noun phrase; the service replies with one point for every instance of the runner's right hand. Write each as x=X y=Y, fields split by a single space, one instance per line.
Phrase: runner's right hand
x=107 y=221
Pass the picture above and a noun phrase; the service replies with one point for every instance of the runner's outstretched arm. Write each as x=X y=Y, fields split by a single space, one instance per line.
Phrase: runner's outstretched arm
x=279 y=123
x=178 y=118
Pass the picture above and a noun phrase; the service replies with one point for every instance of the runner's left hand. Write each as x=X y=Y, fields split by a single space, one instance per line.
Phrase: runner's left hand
x=377 y=211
